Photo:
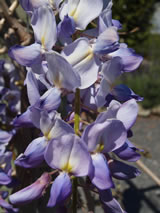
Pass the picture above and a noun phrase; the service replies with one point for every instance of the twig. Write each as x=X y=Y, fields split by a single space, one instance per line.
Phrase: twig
x=88 y=187
x=2 y=21
x=13 y=6
x=3 y=50
x=53 y=172
x=24 y=36
x=88 y=108
x=84 y=122
x=130 y=32
x=148 y=172
x=88 y=36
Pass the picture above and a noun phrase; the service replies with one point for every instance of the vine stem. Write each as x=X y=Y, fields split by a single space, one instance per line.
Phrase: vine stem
x=77 y=112
x=74 y=194
x=76 y=129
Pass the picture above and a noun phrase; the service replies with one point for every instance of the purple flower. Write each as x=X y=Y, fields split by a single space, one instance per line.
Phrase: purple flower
x=5 y=205
x=126 y=113
x=131 y=61
x=51 y=127
x=128 y=152
x=67 y=153
x=77 y=10
x=103 y=137
x=122 y=171
x=5 y=172
x=31 y=192
x=110 y=204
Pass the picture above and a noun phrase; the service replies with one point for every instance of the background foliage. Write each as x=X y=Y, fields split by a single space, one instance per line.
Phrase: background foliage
x=136 y=17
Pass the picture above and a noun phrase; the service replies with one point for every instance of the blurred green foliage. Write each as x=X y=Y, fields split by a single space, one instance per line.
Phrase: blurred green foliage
x=137 y=14
x=134 y=14
x=146 y=80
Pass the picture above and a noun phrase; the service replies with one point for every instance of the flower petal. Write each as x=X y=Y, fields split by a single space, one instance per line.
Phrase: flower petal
x=100 y=176
x=78 y=9
x=30 y=5
x=31 y=192
x=111 y=69
x=110 y=113
x=127 y=113
x=7 y=206
x=60 y=128
x=80 y=55
x=50 y=100
x=122 y=171
x=110 y=204
x=105 y=137
x=60 y=190
x=66 y=28
x=103 y=91
x=26 y=56
x=33 y=155
x=5 y=136
x=23 y=120
x=68 y=153
x=107 y=41
x=123 y=93
x=32 y=88
x=131 y=61
x=4 y=178
x=41 y=19
x=59 y=70
x=105 y=18
x=128 y=153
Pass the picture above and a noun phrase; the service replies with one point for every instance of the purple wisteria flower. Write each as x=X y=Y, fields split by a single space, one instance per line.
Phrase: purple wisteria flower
x=67 y=153
x=51 y=127
x=70 y=70
x=103 y=137
x=32 y=192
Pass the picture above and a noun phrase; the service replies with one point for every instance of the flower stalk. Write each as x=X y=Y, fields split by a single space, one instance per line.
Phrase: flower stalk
x=77 y=112
x=76 y=129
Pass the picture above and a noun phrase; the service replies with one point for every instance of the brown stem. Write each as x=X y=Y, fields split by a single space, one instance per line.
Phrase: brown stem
x=3 y=50
x=24 y=36
x=148 y=172
x=2 y=21
x=53 y=172
x=89 y=109
x=13 y=6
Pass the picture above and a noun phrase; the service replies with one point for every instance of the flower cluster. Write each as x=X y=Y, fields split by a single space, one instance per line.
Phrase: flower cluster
x=79 y=64
x=9 y=108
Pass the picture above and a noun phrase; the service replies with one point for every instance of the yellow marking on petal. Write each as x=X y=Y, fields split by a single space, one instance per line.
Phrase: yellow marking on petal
x=89 y=55
x=99 y=147
x=3 y=165
x=67 y=167
x=51 y=1
x=47 y=136
x=43 y=41
x=72 y=12
x=84 y=57
x=57 y=82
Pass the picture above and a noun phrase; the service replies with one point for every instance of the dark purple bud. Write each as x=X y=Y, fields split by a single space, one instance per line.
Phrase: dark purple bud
x=122 y=171
x=110 y=204
x=128 y=153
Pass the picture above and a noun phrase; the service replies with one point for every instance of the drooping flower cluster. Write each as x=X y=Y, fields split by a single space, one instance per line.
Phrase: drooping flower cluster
x=79 y=64
x=9 y=108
